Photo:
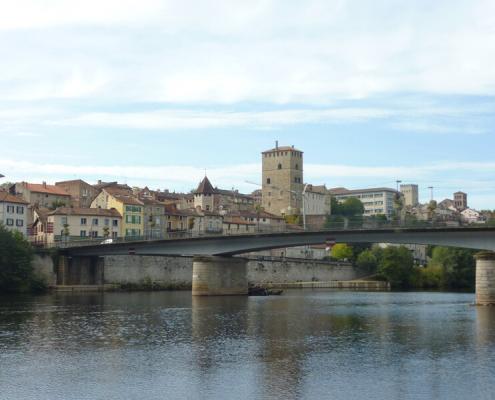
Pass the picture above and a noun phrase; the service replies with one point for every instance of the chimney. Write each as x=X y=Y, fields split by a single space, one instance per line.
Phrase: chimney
x=99 y=181
x=44 y=184
x=276 y=144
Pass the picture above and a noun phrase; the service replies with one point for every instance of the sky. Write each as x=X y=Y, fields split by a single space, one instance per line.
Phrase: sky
x=157 y=93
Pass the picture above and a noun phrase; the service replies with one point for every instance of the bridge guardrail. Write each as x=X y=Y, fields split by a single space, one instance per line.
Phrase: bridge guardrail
x=349 y=226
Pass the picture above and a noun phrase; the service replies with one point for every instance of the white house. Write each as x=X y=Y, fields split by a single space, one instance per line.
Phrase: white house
x=13 y=212
x=471 y=216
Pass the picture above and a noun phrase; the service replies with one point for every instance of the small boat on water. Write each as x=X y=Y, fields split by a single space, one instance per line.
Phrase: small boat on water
x=262 y=291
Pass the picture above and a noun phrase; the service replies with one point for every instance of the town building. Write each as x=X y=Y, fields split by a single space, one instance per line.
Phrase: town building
x=263 y=221
x=81 y=193
x=375 y=200
x=155 y=223
x=460 y=201
x=204 y=196
x=42 y=195
x=71 y=223
x=410 y=193
x=177 y=221
x=471 y=216
x=13 y=212
x=237 y=226
x=282 y=180
x=317 y=205
x=131 y=209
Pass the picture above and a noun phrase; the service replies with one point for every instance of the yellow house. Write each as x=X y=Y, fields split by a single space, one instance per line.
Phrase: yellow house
x=131 y=209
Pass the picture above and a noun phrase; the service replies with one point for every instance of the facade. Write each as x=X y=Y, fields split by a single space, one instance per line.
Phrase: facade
x=131 y=209
x=237 y=226
x=81 y=193
x=202 y=222
x=155 y=225
x=375 y=201
x=282 y=180
x=263 y=221
x=68 y=224
x=42 y=195
x=177 y=221
x=13 y=212
x=460 y=201
x=411 y=194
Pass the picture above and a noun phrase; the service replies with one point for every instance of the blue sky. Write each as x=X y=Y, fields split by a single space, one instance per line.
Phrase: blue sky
x=155 y=92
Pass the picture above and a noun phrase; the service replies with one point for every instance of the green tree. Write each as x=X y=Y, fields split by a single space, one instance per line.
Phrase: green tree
x=367 y=261
x=457 y=267
x=341 y=251
x=351 y=212
x=57 y=204
x=16 y=271
x=397 y=266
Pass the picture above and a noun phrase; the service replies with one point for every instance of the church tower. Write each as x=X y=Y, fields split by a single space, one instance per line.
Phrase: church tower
x=282 y=180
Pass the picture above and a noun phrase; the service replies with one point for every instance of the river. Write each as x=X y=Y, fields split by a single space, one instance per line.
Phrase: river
x=305 y=344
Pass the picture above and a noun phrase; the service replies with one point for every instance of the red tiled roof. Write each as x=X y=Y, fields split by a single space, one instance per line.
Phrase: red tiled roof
x=44 y=188
x=6 y=197
x=205 y=187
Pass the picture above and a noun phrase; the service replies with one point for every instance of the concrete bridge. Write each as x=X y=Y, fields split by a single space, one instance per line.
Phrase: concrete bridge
x=216 y=272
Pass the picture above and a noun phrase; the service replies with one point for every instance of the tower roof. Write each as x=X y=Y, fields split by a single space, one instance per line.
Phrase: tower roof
x=282 y=148
x=205 y=187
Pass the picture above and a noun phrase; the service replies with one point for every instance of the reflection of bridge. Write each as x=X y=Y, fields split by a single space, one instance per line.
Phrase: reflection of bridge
x=215 y=272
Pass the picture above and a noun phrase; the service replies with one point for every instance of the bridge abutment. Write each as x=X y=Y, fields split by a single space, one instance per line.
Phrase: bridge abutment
x=485 y=278
x=219 y=276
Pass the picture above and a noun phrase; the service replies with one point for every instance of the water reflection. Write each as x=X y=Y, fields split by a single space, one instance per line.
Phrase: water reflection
x=313 y=344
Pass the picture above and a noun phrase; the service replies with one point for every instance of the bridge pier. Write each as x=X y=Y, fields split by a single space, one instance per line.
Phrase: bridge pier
x=485 y=278
x=219 y=276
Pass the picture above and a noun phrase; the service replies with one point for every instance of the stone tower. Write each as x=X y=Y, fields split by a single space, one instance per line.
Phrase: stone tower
x=282 y=180
x=204 y=196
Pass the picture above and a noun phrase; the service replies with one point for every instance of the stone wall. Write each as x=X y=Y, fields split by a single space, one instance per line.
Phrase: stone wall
x=177 y=271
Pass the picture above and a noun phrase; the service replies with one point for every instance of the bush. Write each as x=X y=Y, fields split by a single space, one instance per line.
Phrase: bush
x=396 y=265
x=367 y=261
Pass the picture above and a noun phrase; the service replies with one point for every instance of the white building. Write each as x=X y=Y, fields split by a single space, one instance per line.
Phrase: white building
x=375 y=200
x=13 y=212
x=471 y=216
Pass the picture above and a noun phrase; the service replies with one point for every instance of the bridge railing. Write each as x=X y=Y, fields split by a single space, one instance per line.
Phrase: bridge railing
x=347 y=225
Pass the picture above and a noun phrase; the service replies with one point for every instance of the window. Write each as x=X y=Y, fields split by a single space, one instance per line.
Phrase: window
x=82 y=234
x=95 y=221
x=279 y=166
x=115 y=222
x=268 y=181
x=10 y=222
x=114 y=235
x=297 y=166
x=107 y=222
x=83 y=222
x=20 y=210
x=93 y=234
x=10 y=209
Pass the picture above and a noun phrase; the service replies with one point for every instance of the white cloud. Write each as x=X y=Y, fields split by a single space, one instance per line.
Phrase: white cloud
x=232 y=51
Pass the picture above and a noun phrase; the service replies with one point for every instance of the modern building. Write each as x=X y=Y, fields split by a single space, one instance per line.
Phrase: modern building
x=81 y=193
x=460 y=201
x=13 y=212
x=411 y=194
x=375 y=200
x=282 y=180
x=131 y=209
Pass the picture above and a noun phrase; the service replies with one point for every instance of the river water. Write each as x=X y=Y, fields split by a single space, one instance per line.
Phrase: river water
x=304 y=344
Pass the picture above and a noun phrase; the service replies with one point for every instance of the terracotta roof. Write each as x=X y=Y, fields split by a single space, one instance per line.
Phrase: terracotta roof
x=6 y=197
x=86 y=211
x=151 y=202
x=253 y=214
x=44 y=188
x=238 y=221
x=205 y=187
x=282 y=148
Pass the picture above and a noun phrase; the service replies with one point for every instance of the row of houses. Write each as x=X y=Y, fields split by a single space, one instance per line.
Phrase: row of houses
x=76 y=210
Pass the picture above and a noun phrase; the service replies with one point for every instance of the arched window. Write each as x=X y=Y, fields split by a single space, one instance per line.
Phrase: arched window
x=297 y=166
